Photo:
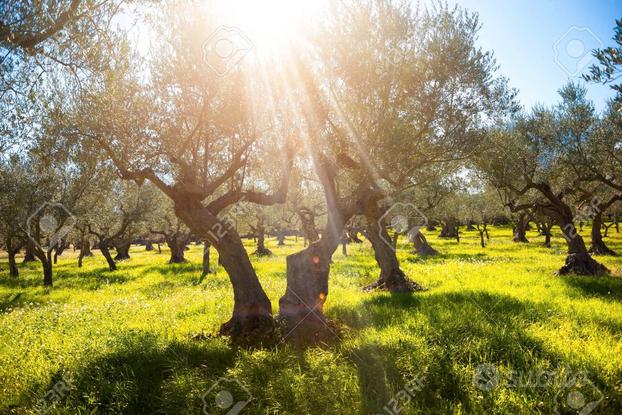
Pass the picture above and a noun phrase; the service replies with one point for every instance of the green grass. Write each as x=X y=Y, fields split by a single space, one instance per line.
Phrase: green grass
x=141 y=339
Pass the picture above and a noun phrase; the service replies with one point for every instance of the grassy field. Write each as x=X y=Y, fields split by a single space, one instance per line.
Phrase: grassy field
x=496 y=333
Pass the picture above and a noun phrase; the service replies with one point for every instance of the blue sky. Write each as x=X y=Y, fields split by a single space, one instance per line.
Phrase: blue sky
x=523 y=34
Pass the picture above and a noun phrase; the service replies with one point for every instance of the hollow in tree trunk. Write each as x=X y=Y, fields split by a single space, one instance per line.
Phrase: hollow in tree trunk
x=597 y=245
x=422 y=247
x=353 y=236
x=578 y=261
x=123 y=249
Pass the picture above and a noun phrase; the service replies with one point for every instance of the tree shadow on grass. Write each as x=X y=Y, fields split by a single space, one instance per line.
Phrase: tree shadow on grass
x=144 y=376
x=604 y=287
x=455 y=333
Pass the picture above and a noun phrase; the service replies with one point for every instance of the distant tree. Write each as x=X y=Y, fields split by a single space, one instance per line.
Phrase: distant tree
x=539 y=174
x=119 y=218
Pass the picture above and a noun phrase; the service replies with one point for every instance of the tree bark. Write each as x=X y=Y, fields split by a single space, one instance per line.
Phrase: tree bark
x=481 y=229
x=546 y=231
x=105 y=250
x=578 y=260
x=597 y=246
x=123 y=249
x=252 y=311
x=177 y=244
x=392 y=278
x=29 y=254
x=280 y=236
x=422 y=247
x=12 y=251
x=260 y=233
x=45 y=257
x=450 y=229
x=149 y=246
x=520 y=229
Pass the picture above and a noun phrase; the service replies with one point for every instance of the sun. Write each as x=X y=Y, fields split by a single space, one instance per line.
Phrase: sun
x=271 y=25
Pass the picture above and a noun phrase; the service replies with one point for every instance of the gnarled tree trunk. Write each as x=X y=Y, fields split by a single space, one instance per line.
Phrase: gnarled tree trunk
x=105 y=250
x=177 y=244
x=546 y=231
x=392 y=278
x=450 y=229
x=422 y=247
x=520 y=229
x=597 y=245
x=260 y=233
x=123 y=249
x=252 y=311
x=29 y=254
x=578 y=260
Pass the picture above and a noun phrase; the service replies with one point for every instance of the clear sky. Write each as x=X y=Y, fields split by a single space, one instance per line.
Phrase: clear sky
x=524 y=36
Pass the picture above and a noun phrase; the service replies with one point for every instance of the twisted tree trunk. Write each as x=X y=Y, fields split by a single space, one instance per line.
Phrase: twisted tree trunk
x=177 y=243
x=422 y=247
x=597 y=245
x=29 y=254
x=260 y=233
x=578 y=260
x=392 y=278
x=104 y=248
x=12 y=250
x=123 y=249
x=252 y=311
x=450 y=229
